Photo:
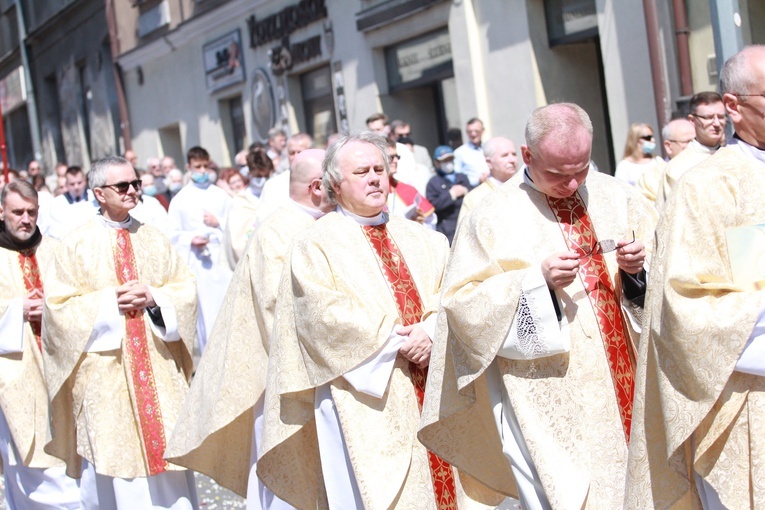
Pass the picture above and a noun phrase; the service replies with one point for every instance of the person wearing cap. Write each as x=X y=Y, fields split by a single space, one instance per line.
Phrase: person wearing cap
x=446 y=190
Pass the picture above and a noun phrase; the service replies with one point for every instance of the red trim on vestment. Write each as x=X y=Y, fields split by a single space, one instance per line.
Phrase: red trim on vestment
x=32 y=280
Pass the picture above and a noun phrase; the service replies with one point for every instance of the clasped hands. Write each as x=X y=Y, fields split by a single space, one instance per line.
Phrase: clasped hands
x=132 y=296
x=560 y=269
x=32 y=306
x=418 y=345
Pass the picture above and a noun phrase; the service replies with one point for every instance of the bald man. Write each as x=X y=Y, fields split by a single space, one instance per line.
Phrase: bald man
x=677 y=134
x=225 y=404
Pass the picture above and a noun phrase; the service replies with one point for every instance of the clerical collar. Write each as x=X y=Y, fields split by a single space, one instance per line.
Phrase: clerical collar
x=496 y=182
x=73 y=199
x=10 y=243
x=116 y=224
x=379 y=219
x=747 y=148
x=313 y=213
x=704 y=148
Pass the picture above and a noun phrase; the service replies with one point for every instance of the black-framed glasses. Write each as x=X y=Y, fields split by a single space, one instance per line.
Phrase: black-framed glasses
x=647 y=138
x=123 y=187
x=710 y=118
x=394 y=157
x=605 y=246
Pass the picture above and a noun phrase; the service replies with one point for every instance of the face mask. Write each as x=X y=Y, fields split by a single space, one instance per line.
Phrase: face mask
x=245 y=171
x=175 y=187
x=212 y=177
x=649 y=147
x=256 y=185
x=150 y=190
x=447 y=167
x=199 y=178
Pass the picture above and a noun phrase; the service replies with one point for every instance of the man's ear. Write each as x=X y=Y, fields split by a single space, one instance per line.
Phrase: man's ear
x=99 y=194
x=732 y=106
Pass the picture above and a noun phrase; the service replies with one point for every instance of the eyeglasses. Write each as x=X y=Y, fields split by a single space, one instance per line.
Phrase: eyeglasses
x=394 y=157
x=710 y=118
x=647 y=138
x=123 y=187
x=680 y=142
x=605 y=246
x=749 y=95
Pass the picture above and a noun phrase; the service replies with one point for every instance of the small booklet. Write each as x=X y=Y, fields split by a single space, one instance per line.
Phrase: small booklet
x=746 y=252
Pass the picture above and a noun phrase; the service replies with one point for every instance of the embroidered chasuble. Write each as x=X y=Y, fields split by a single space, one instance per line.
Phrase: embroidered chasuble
x=581 y=238
x=23 y=397
x=121 y=424
x=410 y=311
x=336 y=309
x=571 y=408
x=695 y=413
x=136 y=345
x=32 y=281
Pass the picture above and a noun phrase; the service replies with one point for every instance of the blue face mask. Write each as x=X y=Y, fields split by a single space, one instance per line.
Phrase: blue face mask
x=150 y=190
x=649 y=147
x=200 y=177
x=175 y=186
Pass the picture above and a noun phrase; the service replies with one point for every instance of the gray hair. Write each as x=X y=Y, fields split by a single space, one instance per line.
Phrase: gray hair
x=552 y=119
x=331 y=166
x=736 y=76
x=490 y=147
x=97 y=174
x=21 y=188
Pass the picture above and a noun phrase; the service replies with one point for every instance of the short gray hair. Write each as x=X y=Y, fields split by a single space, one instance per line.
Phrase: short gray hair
x=490 y=147
x=21 y=188
x=736 y=76
x=554 y=118
x=97 y=174
x=331 y=166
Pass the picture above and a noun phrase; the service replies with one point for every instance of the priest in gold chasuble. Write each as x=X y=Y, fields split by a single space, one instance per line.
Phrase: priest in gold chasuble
x=119 y=317
x=219 y=430
x=350 y=349
x=34 y=480
x=699 y=428
x=532 y=374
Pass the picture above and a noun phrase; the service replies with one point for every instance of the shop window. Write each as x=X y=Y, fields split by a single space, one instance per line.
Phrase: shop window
x=318 y=104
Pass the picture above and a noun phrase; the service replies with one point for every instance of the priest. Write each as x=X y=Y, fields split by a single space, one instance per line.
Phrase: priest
x=350 y=348
x=699 y=429
x=34 y=480
x=220 y=426
x=119 y=316
x=532 y=376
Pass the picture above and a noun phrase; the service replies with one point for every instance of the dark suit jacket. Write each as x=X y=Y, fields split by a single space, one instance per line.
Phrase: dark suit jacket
x=447 y=210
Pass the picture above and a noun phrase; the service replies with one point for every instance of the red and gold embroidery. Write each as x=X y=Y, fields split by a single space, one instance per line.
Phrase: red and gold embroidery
x=136 y=344
x=32 y=280
x=409 y=306
x=580 y=236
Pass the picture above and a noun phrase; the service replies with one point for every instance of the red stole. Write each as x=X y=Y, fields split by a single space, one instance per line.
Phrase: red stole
x=409 y=307
x=147 y=407
x=32 y=280
x=409 y=195
x=580 y=236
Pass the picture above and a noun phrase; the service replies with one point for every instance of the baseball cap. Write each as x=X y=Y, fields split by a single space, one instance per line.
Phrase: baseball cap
x=443 y=152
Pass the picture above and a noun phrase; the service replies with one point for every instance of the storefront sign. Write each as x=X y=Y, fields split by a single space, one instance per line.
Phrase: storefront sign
x=285 y=56
x=418 y=58
x=285 y=22
x=570 y=20
x=12 y=91
x=223 y=61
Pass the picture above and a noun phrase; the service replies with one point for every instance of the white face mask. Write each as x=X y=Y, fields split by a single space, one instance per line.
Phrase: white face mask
x=256 y=185
x=447 y=167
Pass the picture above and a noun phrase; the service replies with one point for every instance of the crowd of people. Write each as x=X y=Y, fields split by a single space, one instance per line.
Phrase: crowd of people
x=380 y=327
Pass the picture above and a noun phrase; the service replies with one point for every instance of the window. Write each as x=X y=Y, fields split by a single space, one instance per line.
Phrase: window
x=318 y=104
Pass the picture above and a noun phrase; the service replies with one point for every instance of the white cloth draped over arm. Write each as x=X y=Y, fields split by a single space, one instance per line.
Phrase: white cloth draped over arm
x=109 y=328
x=12 y=327
x=535 y=331
x=752 y=359
x=373 y=374
x=168 y=333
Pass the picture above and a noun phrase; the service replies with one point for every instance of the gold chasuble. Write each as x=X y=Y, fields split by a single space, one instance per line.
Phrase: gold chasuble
x=214 y=431
x=409 y=305
x=23 y=397
x=572 y=409
x=693 y=411
x=116 y=407
x=335 y=310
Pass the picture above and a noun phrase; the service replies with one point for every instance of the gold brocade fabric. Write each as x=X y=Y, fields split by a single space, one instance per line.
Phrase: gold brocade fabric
x=240 y=226
x=688 y=398
x=334 y=311
x=92 y=394
x=475 y=197
x=214 y=432
x=23 y=398
x=565 y=404
x=691 y=156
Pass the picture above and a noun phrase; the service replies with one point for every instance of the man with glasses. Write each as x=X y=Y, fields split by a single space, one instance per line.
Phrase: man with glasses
x=677 y=134
x=708 y=118
x=699 y=427
x=532 y=371
x=119 y=315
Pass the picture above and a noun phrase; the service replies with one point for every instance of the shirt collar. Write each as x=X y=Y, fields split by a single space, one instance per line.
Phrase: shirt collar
x=313 y=213
x=746 y=148
x=116 y=224
x=379 y=219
